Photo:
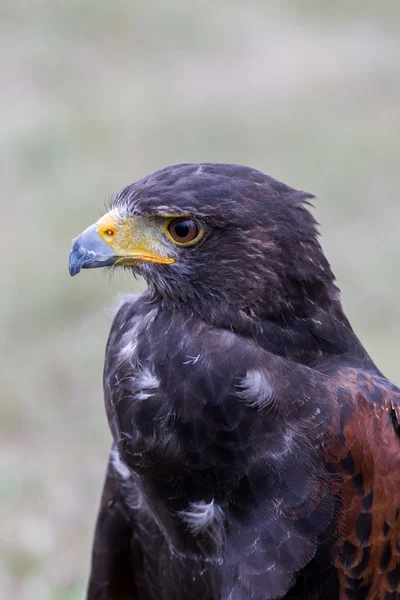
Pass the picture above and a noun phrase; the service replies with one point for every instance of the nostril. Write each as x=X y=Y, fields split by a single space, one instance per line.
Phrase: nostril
x=108 y=235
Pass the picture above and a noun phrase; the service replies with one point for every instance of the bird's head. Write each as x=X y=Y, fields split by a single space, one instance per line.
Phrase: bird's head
x=218 y=238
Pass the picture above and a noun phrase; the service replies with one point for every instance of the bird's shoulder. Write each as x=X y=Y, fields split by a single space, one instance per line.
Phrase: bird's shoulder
x=364 y=459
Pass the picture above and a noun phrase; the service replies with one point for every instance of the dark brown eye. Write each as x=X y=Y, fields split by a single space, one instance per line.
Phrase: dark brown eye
x=183 y=230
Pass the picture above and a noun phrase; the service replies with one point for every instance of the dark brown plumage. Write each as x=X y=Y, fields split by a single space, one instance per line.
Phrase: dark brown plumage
x=256 y=450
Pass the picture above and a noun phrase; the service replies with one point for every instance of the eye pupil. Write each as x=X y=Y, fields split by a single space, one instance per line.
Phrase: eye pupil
x=183 y=230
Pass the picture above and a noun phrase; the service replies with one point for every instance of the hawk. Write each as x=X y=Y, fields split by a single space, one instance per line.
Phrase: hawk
x=256 y=445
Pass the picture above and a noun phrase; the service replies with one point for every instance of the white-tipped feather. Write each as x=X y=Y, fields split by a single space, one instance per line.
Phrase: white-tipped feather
x=191 y=360
x=128 y=350
x=119 y=465
x=256 y=388
x=146 y=381
x=202 y=515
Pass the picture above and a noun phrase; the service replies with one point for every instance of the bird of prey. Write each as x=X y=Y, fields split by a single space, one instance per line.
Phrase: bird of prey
x=256 y=445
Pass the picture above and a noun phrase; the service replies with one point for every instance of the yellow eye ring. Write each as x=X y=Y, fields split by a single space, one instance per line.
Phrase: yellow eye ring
x=184 y=231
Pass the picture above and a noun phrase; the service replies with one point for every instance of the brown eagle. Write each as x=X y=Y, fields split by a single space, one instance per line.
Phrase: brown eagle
x=256 y=445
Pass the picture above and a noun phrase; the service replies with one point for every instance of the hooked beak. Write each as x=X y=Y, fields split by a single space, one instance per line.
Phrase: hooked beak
x=90 y=251
x=116 y=239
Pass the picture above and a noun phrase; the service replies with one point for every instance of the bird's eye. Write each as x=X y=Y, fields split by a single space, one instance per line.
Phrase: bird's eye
x=184 y=231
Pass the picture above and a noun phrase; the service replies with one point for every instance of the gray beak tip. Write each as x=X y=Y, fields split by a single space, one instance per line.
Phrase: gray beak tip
x=74 y=269
x=89 y=251
x=75 y=259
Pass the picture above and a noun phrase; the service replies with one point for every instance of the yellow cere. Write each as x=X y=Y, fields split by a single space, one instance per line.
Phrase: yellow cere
x=133 y=239
x=107 y=226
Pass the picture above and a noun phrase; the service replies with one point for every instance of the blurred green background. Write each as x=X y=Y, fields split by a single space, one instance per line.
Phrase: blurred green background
x=97 y=94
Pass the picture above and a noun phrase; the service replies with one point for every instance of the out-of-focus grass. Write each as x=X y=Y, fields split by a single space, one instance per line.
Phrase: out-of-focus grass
x=95 y=95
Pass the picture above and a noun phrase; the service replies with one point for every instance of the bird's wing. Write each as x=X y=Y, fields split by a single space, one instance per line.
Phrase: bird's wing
x=117 y=569
x=281 y=511
x=365 y=460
